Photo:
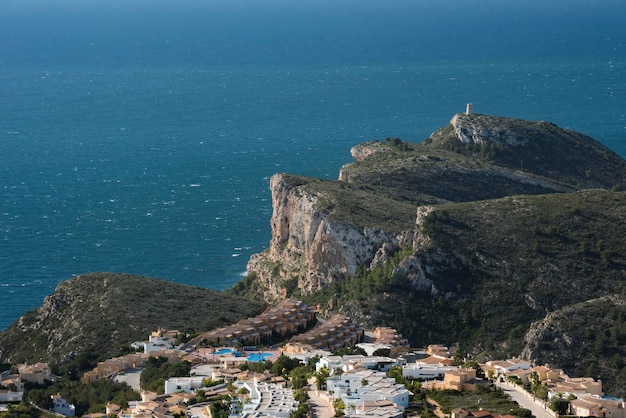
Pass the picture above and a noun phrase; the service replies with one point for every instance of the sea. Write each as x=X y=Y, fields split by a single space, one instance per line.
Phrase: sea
x=140 y=136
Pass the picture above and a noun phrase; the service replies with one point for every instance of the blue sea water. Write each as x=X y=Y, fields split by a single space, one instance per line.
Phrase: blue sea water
x=140 y=136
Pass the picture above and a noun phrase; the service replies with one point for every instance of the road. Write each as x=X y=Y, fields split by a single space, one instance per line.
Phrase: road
x=519 y=395
x=197 y=410
x=436 y=408
x=131 y=377
x=319 y=407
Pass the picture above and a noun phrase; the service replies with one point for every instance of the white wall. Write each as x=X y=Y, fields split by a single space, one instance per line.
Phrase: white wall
x=424 y=372
x=185 y=384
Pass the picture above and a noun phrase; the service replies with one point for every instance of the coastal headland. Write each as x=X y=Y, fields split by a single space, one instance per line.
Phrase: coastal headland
x=502 y=234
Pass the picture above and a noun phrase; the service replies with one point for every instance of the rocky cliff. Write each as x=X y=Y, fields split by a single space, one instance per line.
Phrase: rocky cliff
x=593 y=349
x=323 y=231
x=488 y=226
x=310 y=248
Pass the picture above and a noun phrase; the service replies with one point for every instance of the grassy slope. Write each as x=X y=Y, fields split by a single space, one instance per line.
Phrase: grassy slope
x=430 y=175
x=444 y=169
x=540 y=252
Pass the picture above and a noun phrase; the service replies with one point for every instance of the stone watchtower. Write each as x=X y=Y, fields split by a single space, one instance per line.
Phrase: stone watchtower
x=469 y=109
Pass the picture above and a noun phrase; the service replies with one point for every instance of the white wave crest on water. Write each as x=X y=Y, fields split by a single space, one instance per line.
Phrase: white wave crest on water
x=15 y=284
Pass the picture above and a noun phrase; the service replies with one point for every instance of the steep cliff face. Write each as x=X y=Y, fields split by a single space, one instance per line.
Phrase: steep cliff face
x=323 y=231
x=309 y=248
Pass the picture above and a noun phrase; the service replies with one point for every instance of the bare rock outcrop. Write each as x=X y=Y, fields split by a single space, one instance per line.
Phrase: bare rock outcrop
x=359 y=153
x=308 y=248
x=366 y=149
x=477 y=130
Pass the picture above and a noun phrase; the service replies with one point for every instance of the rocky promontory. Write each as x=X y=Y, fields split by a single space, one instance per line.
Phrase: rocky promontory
x=323 y=231
x=477 y=233
x=310 y=248
x=502 y=234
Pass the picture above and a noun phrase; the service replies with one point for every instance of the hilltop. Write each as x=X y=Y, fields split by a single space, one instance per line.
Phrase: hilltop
x=98 y=314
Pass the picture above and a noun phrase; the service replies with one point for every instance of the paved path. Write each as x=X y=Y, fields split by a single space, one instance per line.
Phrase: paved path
x=437 y=409
x=197 y=410
x=131 y=377
x=520 y=396
x=319 y=407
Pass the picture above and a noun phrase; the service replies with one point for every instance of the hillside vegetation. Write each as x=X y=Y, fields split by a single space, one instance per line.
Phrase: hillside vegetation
x=479 y=157
x=495 y=266
x=353 y=203
x=96 y=316
x=538 y=147
x=518 y=220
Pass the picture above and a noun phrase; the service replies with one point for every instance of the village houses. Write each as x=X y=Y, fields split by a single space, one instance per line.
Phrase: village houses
x=359 y=381
x=38 y=373
x=287 y=317
x=60 y=406
x=462 y=379
x=356 y=387
x=597 y=406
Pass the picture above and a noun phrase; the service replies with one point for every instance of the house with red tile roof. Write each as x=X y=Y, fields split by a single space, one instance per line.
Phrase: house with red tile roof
x=596 y=406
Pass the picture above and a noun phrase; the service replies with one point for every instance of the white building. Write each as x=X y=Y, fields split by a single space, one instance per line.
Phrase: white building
x=157 y=344
x=60 y=406
x=370 y=348
x=183 y=384
x=504 y=367
x=419 y=371
x=333 y=363
x=355 y=362
x=375 y=409
x=160 y=340
x=382 y=364
x=267 y=400
x=7 y=395
x=367 y=385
